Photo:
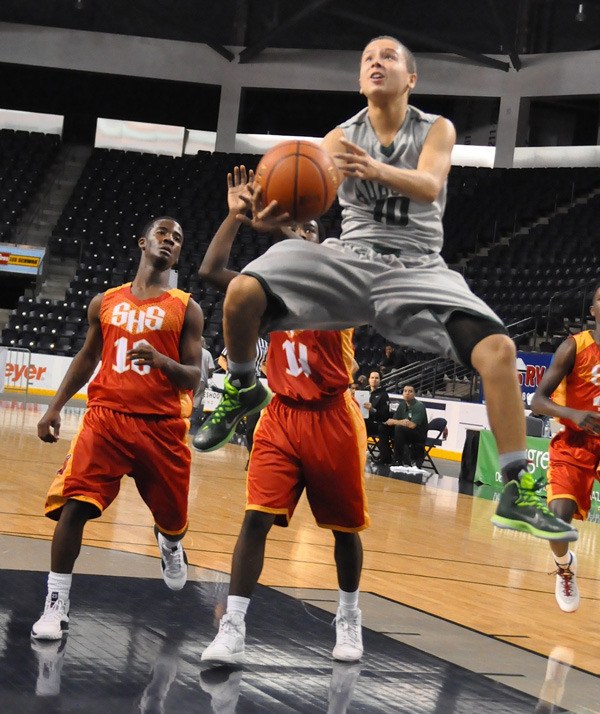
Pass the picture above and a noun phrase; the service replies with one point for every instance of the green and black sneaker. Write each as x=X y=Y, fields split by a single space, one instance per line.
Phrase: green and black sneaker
x=522 y=508
x=218 y=429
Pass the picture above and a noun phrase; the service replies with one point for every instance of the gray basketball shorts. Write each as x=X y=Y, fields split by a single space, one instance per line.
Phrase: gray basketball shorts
x=339 y=284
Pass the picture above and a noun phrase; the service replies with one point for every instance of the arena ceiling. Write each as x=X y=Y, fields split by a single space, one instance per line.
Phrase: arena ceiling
x=475 y=29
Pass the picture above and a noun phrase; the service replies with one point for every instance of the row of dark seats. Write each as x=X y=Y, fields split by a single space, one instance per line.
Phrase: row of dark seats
x=24 y=160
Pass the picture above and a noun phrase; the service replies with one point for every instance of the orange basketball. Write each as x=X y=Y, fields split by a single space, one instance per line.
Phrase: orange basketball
x=300 y=176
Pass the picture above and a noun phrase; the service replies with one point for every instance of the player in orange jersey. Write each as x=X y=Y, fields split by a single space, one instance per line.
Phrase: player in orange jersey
x=148 y=338
x=570 y=391
x=310 y=437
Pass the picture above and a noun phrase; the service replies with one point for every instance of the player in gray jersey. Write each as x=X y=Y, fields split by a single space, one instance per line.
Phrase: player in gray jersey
x=376 y=215
x=385 y=271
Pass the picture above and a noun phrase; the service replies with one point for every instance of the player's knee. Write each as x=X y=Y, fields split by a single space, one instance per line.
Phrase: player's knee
x=257 y=523
x=564 y=508
x=75 y=512
x=478 y=339
x=346 y=539
x=244 y=294
x=494 y=353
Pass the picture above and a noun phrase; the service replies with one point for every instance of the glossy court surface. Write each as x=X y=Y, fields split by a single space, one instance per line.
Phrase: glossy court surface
x=457 y=617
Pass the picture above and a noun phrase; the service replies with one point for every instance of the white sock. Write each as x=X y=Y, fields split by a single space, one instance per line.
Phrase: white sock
x=60 y=583
x=564 y=560
x=348 y=601
x=235 y=603
x=165 y=542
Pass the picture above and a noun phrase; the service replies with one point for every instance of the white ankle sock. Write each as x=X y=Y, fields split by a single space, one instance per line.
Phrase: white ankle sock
x=564 y=560
x=60 y=583
x=235 y=603
x=348 y=601
x=165 y=542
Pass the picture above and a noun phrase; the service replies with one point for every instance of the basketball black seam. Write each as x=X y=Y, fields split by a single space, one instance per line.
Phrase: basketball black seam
x=325 y=192
x=271 y=172
x=296 y=179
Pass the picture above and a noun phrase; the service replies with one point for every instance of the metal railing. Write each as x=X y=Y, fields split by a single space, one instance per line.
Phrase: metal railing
x=560 y=301
x=17 y=372
x=435 y=377
x=445 y=378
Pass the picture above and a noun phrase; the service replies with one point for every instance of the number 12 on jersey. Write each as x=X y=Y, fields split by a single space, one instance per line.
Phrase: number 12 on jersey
x=122 y=364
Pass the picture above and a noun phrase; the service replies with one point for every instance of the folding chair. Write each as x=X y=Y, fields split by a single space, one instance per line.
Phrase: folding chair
x=534 y=426
x=437 y=425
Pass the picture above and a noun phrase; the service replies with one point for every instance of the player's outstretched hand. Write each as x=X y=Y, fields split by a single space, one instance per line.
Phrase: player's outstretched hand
x=588 y=421
x=237 y=182
x=48 y=426
x=263 y=220
x=356 y=162
x=144 y=354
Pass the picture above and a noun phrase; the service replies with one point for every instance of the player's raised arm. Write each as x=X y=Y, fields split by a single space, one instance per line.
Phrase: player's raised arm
x=79 y=373
x=213 y=268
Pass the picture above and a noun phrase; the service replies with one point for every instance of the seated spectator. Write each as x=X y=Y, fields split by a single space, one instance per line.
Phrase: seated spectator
x=409 y=424
x=392 y=359
x=378 y=407
x=362 y=382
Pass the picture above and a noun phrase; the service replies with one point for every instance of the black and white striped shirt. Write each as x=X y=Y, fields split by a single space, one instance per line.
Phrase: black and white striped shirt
x=262 y=347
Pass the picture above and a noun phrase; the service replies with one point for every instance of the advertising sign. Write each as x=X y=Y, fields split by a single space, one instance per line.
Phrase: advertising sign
x=531 y=367
x=20 y=259
x=487 y=471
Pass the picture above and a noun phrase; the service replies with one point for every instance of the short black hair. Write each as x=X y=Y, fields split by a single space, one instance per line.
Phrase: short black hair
x=150 y=224
x=593 y=291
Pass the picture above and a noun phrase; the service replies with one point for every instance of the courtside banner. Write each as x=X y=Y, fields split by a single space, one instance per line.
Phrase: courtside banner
x=36 y=373
x=20 y=259
x=487 y=471
x=531 y=367
x=3 y=358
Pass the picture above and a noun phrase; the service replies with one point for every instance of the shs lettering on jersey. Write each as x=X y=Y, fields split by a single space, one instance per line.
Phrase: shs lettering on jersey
x=130 y=388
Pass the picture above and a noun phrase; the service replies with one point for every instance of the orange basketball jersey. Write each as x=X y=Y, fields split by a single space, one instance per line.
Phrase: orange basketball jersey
x=123 y=386
x=581 y=388
x=310 y=365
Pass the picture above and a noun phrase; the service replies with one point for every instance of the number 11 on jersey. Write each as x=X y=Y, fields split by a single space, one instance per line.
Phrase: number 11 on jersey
x=297 y=365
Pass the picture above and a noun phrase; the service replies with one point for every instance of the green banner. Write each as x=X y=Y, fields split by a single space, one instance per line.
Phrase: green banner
x=487 y=471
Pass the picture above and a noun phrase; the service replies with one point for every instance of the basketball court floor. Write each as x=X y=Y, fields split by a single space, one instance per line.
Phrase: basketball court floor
x=458 y=616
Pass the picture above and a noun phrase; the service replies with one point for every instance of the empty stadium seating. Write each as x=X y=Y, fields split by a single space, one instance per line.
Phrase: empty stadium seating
x=24 y=159
x=118 y=191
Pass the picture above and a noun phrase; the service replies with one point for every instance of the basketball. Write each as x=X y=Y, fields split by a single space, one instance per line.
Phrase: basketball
x=300 y=176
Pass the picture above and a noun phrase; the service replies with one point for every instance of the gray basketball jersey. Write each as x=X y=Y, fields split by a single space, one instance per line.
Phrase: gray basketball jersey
x=374 y=214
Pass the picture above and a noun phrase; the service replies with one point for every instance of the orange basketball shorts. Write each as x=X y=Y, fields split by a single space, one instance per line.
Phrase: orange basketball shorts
x=321 y=449
x=574 y=460
x=109 y=445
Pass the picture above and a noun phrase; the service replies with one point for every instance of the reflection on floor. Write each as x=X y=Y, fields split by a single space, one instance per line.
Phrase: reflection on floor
x=135 y=646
